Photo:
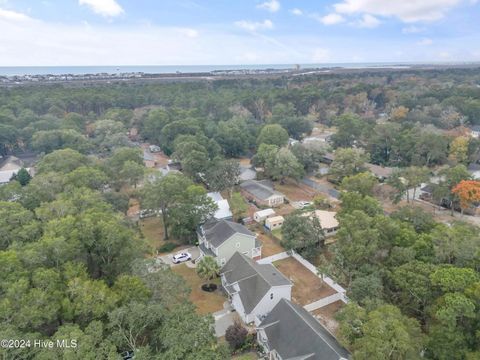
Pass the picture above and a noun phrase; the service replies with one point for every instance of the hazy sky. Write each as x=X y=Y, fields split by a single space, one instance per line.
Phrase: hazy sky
x=184 y=32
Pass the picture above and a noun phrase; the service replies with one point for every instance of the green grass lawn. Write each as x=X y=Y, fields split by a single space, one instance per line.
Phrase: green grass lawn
x=277 y=233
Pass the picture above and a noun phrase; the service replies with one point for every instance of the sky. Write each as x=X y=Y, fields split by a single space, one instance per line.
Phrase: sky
x=231 y=32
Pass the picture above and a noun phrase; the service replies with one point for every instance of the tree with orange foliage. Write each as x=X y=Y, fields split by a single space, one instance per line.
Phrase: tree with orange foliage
x=468 y=191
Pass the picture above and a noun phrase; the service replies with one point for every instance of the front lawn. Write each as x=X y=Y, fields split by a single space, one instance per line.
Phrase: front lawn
x=205 y=302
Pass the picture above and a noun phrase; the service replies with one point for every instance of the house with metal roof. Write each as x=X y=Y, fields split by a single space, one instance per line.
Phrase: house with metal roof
x=222 y=238
x=262 y=192
x=223 y=211
x=291 y=332
x=253 y=289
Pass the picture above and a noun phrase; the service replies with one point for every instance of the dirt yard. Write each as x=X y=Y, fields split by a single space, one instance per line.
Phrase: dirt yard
x=326 y=315
x=270 y=245
x=205 y=302
x=307 y=287
x=296 y=191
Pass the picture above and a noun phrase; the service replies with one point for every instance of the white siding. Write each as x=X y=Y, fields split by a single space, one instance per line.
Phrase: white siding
x=266 y=305
x=238 y=306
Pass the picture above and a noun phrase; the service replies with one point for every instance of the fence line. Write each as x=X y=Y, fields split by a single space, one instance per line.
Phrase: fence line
x=340 y=291
x=276 y=257
x=324 y=302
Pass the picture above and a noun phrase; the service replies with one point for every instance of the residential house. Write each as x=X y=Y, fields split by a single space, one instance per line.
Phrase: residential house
x=222 y=238
x=262 y=192
x=261 y=215
x=291 y=332
x=223 y=211
x=247 y=173
x=9 y=167
x=274 y=222
x=328 y=158
x=148 y=159
x=382 y=173
x=253 y=289
x=474 y=170
x=327 y=220
x=475 y=131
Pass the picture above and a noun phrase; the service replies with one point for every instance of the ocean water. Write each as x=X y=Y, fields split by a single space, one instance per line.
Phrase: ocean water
x=169 y=69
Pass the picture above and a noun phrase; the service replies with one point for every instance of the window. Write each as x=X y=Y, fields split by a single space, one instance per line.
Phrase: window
x=271 y=296
x=237 y=244
x=222 y=262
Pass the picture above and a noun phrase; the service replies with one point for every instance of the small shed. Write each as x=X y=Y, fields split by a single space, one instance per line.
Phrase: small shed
x=274 y=222
x=262 y=215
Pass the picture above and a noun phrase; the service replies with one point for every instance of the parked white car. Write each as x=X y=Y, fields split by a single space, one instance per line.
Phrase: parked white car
x=304 y=204
x=181 y=257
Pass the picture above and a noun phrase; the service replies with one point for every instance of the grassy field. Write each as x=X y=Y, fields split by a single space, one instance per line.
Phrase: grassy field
x=152 y=230
x=204 y=301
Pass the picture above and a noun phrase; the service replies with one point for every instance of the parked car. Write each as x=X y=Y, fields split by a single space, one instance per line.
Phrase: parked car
x=181 y=257
x=304 y=204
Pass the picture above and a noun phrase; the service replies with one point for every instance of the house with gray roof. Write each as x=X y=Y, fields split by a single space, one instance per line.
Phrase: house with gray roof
x=221 y=238
x=291 y=332
x=253 y=289
x=262 y=192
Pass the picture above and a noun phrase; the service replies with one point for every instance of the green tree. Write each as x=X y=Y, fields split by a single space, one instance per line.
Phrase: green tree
x=387 y=334
x=303 y=233
x=132 y=172
x=61 y=161
x=285 y=165
x=349 y=130
x=347 y=162
x=208 y=268
x=308 y=155
x=273 y=135
x=362 y=183
x=23 y=176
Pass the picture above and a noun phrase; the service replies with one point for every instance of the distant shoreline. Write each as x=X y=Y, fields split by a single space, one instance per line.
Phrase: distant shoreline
x=8 y=71
x=89 y=75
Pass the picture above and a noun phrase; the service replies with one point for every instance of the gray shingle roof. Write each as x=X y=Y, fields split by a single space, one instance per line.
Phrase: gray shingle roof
x=254 y=280
x=217 y=231
x=260 y=189
x=295 y=334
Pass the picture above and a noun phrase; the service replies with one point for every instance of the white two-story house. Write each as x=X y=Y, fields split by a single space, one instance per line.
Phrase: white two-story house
x=253 y=289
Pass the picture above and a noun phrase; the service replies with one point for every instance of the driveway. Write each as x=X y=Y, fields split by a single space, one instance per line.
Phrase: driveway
x=223 y=319
x=167 y=259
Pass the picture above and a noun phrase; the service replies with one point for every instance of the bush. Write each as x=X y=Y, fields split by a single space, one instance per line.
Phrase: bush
x=236 y=335
x=167 y=247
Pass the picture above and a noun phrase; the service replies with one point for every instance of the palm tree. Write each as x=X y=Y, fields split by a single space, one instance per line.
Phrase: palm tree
x=208 y=268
